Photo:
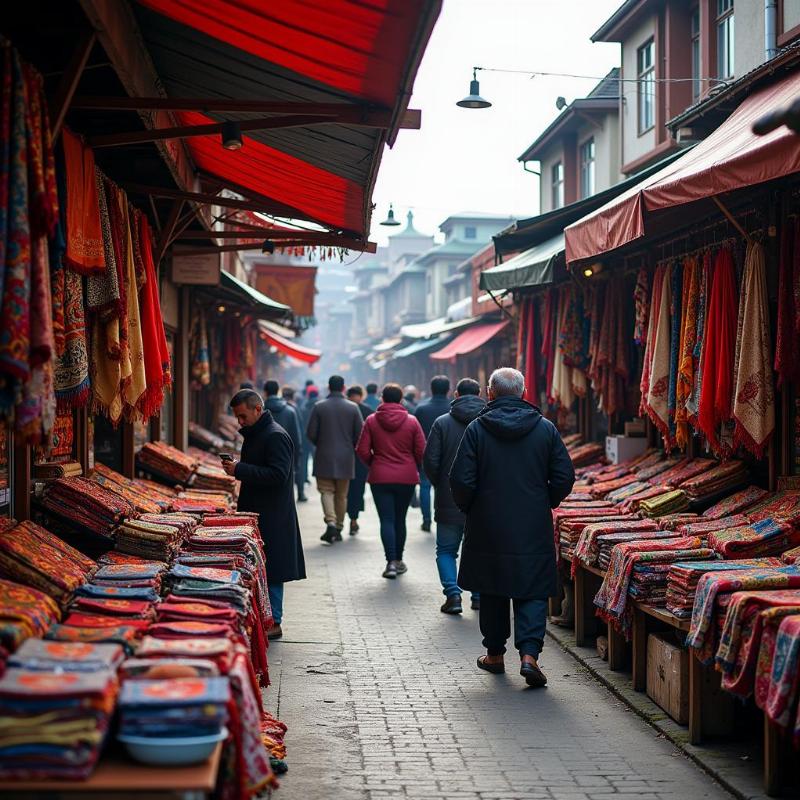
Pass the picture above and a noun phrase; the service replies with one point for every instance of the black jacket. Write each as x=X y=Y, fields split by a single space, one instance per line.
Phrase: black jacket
x=440 y=452
x=428 y=411
x=287 y=418
x=266 y=471
x=510 y=471
x=362 y=470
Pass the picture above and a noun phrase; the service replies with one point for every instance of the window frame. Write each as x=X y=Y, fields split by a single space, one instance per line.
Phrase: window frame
x=696 y=48
x=470 y=228
x=646 y=77
x=557 y=185
x=587 y=167
x=725 y=19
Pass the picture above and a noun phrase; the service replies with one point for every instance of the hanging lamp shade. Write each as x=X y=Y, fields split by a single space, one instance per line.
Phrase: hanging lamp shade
x=231 y=135
x=268 y=246
x=390 y=221
x=474 y=99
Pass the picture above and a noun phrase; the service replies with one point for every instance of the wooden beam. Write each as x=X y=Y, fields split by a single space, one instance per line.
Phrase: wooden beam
x=180 y=426
x=196 y=197
x=346 y=243
x=255 y=233
x=140 y=102
x=70 y=79
x=167 y=230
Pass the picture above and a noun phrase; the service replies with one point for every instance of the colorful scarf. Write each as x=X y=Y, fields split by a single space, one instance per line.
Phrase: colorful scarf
x=787 y=342
x=779 y=670
x=754 y=398
x=706 y=271
x=640 y=299
x=530 y=365
x=72 y=385
x=686 y=362
x=103 y=291
x=85 y=253
x=718 y=352
x=658 y=385
x=736 y=502
x=676 y=329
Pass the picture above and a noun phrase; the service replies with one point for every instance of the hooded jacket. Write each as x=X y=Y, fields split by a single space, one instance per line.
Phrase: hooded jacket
x=286 y=416
x=391 y=445
x=428 y=411
x=440 y=452
x=510 y=471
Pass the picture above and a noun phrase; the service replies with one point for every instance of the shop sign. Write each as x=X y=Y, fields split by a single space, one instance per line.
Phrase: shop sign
x=198 y=269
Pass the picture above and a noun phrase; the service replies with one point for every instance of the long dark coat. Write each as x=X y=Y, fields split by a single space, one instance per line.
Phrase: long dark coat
x=511 y=469
x=266 y=471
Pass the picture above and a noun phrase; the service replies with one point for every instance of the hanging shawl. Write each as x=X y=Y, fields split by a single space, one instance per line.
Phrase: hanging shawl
x=5 y=151
x=787 y=342
x=522 y=320
x=201 y=364
x=562 y=373
x=119 y=239
x=102 y=291
x=657 y=390
x=718 y=351
x=156 y=353
x=652 y=324
x=531 y=366
x=693 y=402
x=676 y=316
x=640 y=300
x=754 y=398
x=548 y=345
x=686 y=362
x=72 y=383
x=85 y=252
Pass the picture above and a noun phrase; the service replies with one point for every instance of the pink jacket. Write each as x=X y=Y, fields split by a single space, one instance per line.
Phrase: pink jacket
x=391 y=445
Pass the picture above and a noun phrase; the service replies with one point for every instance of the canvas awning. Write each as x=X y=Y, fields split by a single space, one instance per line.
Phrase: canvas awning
x=419 y=346
x=533 y=267
x=308 y=355
x=468 y=341
x=251 y=299
x=732 y=157
x=387 y=344
x=425 y=330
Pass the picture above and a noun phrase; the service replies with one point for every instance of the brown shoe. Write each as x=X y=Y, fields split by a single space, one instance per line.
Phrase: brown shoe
x=534 y=676
x=275 y=632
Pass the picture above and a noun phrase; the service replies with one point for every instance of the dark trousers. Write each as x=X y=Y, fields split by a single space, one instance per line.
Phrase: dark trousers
x=355 y=496
x=530 y=619
x=391 y=500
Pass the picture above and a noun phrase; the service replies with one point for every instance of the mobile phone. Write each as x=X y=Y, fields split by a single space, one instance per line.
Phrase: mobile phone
x=226 y=456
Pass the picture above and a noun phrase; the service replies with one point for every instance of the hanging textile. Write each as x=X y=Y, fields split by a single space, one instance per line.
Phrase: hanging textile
x=787 y=342
x=201 y=363
x=72 y=385
x=676 y=317
x=754 y=397
x=548 y=345
x=530 y=364
x=658 y=385
x=103 y=296
x=686 y=361
x=641 y=299
x=522 y=337
x=718 y=351
x=562 y=373
x=693 y=401
x=652 y=324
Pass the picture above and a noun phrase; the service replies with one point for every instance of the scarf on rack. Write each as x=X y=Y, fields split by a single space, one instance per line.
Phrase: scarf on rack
x=657 y=390
x=522 y=333
x=85 y=252
x=693 y=401
x=754 y=397
x=201 y=363
x=640 y=300
x=787 y=341
x=102 y=291
x=154 y=340
x=676 y=317
x=548 y=354
x=718 y=350
x=5 y=152
x=647 y=363
x=71 y=380
x=685 y=380
x=562 y=373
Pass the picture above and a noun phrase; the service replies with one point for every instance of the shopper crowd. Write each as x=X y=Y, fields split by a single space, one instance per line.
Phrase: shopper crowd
x=496 y=468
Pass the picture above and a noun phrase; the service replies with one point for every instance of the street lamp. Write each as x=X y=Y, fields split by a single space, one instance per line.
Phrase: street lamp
x=390 y=221
x=474 y=99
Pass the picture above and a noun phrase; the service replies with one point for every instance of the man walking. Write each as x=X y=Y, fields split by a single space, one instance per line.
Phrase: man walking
x=440 y=452
x=266 y=471
x=333 y=428
x=355 y=492
x=427 y=412
x=286 y=416
x=372 y=400
x=510 y=471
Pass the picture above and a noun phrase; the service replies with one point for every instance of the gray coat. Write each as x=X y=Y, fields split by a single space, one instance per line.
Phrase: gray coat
x=334 y=427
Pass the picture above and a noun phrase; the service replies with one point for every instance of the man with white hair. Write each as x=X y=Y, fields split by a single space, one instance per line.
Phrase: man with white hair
x=510 y=471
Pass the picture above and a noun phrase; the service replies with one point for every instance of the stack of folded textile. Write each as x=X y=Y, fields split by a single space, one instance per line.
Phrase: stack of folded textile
x=736 y=503
x=585 y=453
x=24 y=613
x=777 y=687
x=672 y=522
x=569 y=529
x=671 y=502
x=783 y=506
x=683 y=578
x=78 y=689
x=204 y=438
x=631 y=488
x=86 y=503
x=125 y=487
x=155 y=536
x=608 y=541
x=586 y=547
x=197 y=501
x=791 y=556
x=701 y=526
x=213 y=478
x=50 y=471
x=686 y=470
x=767 y=537
x=649 y=583
x=651 y=472
x=633 y=502
x=166 y=462
x=228 y=428
x=142 y=575
x=727 y=476
x=33 y=556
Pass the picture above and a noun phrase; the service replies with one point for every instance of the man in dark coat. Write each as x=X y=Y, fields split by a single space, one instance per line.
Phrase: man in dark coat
x=427 y=412
x=510 y=471
x=286 y=416
x=266 y=471
x=311 y=396
x=355 y=492
x=444 y=438
x=333 y=428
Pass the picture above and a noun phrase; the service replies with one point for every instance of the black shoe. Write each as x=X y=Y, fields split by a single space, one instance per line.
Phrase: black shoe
x=331 y=535
x=426 y=526
x=452 y=605
x=301 y=498
x=391 y=570
x=475 y=605
x=534 y=677
x=354 y=527
x=401 y=567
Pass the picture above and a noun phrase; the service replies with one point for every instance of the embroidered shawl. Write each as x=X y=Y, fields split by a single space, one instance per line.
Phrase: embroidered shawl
x=657 y=390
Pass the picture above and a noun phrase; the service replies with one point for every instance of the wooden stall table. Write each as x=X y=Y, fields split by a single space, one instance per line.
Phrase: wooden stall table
x=118 y=777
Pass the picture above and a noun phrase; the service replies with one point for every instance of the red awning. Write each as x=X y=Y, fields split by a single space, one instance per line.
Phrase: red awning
x=732 y=157
x=468 y=341
x=307 y=355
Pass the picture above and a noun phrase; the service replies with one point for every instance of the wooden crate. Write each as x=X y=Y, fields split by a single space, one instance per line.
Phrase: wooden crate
x=668 y=677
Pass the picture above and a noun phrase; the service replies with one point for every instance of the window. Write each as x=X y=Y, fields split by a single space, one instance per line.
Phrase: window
x=697 y=88
x=558 y=185
x=646 y=86
x=725 y=39
x=587 y=168
x=470 y=232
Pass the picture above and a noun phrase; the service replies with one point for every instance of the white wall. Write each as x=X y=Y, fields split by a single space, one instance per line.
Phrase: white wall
x=749 y=35
x=633 y=145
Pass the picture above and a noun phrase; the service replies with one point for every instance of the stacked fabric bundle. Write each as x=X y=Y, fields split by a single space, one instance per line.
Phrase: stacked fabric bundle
x=24 y=613
x=736 y=503
x=783 y=506
x=126 y=488
x=127 y=576
x=586 y=546
x=86 y=503
x=213 y=478
x=633 y=502
x=778 y=662
x=686 y=470
x=723 y=477
x=672 y=522
x=569 y=529
x=195 y=501
x=765 y=538
x=606 y=543
x=632 y=487
x=166 y=462
x=78 y=689
x=700 y=526
x=671 y=502
x=154 y=536
x=49 y=471
x=33 y=556
x=204 y=438
x=652 y=471
x=684 y=577
x=585 y=454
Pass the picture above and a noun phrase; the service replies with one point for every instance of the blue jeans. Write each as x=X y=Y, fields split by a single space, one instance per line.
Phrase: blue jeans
x=391 y=500
x=530 y=620
x=425 y=496
x=275 y=591
x=448 y=540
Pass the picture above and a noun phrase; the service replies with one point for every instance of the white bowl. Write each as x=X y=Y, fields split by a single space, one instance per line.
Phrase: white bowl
x=172 y=752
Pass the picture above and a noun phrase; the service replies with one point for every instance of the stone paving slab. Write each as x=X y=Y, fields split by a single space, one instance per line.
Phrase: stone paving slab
x=383 y=699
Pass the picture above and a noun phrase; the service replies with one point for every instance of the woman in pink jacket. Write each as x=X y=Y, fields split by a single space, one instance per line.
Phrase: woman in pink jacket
x=391 y=445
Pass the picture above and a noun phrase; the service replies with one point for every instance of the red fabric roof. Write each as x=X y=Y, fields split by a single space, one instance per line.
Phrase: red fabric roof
x=307 y=355
x=468 y=341
x=730 y=158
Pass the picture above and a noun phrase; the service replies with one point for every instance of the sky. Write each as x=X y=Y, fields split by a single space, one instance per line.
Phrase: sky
x=466 y=160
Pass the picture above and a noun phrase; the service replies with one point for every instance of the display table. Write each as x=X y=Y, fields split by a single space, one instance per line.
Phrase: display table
x=120 y=778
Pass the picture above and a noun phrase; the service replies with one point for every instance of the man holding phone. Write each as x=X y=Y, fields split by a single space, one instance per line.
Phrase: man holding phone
x=266 y=471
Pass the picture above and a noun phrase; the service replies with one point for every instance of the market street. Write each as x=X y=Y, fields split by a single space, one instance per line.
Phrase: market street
x=383 y=699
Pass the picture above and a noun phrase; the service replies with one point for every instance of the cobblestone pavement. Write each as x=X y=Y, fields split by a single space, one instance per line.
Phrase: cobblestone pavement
x=383 y=699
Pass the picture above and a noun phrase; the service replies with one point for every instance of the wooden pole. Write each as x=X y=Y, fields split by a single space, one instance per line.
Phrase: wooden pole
x=21 y=481
x=70 y=79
